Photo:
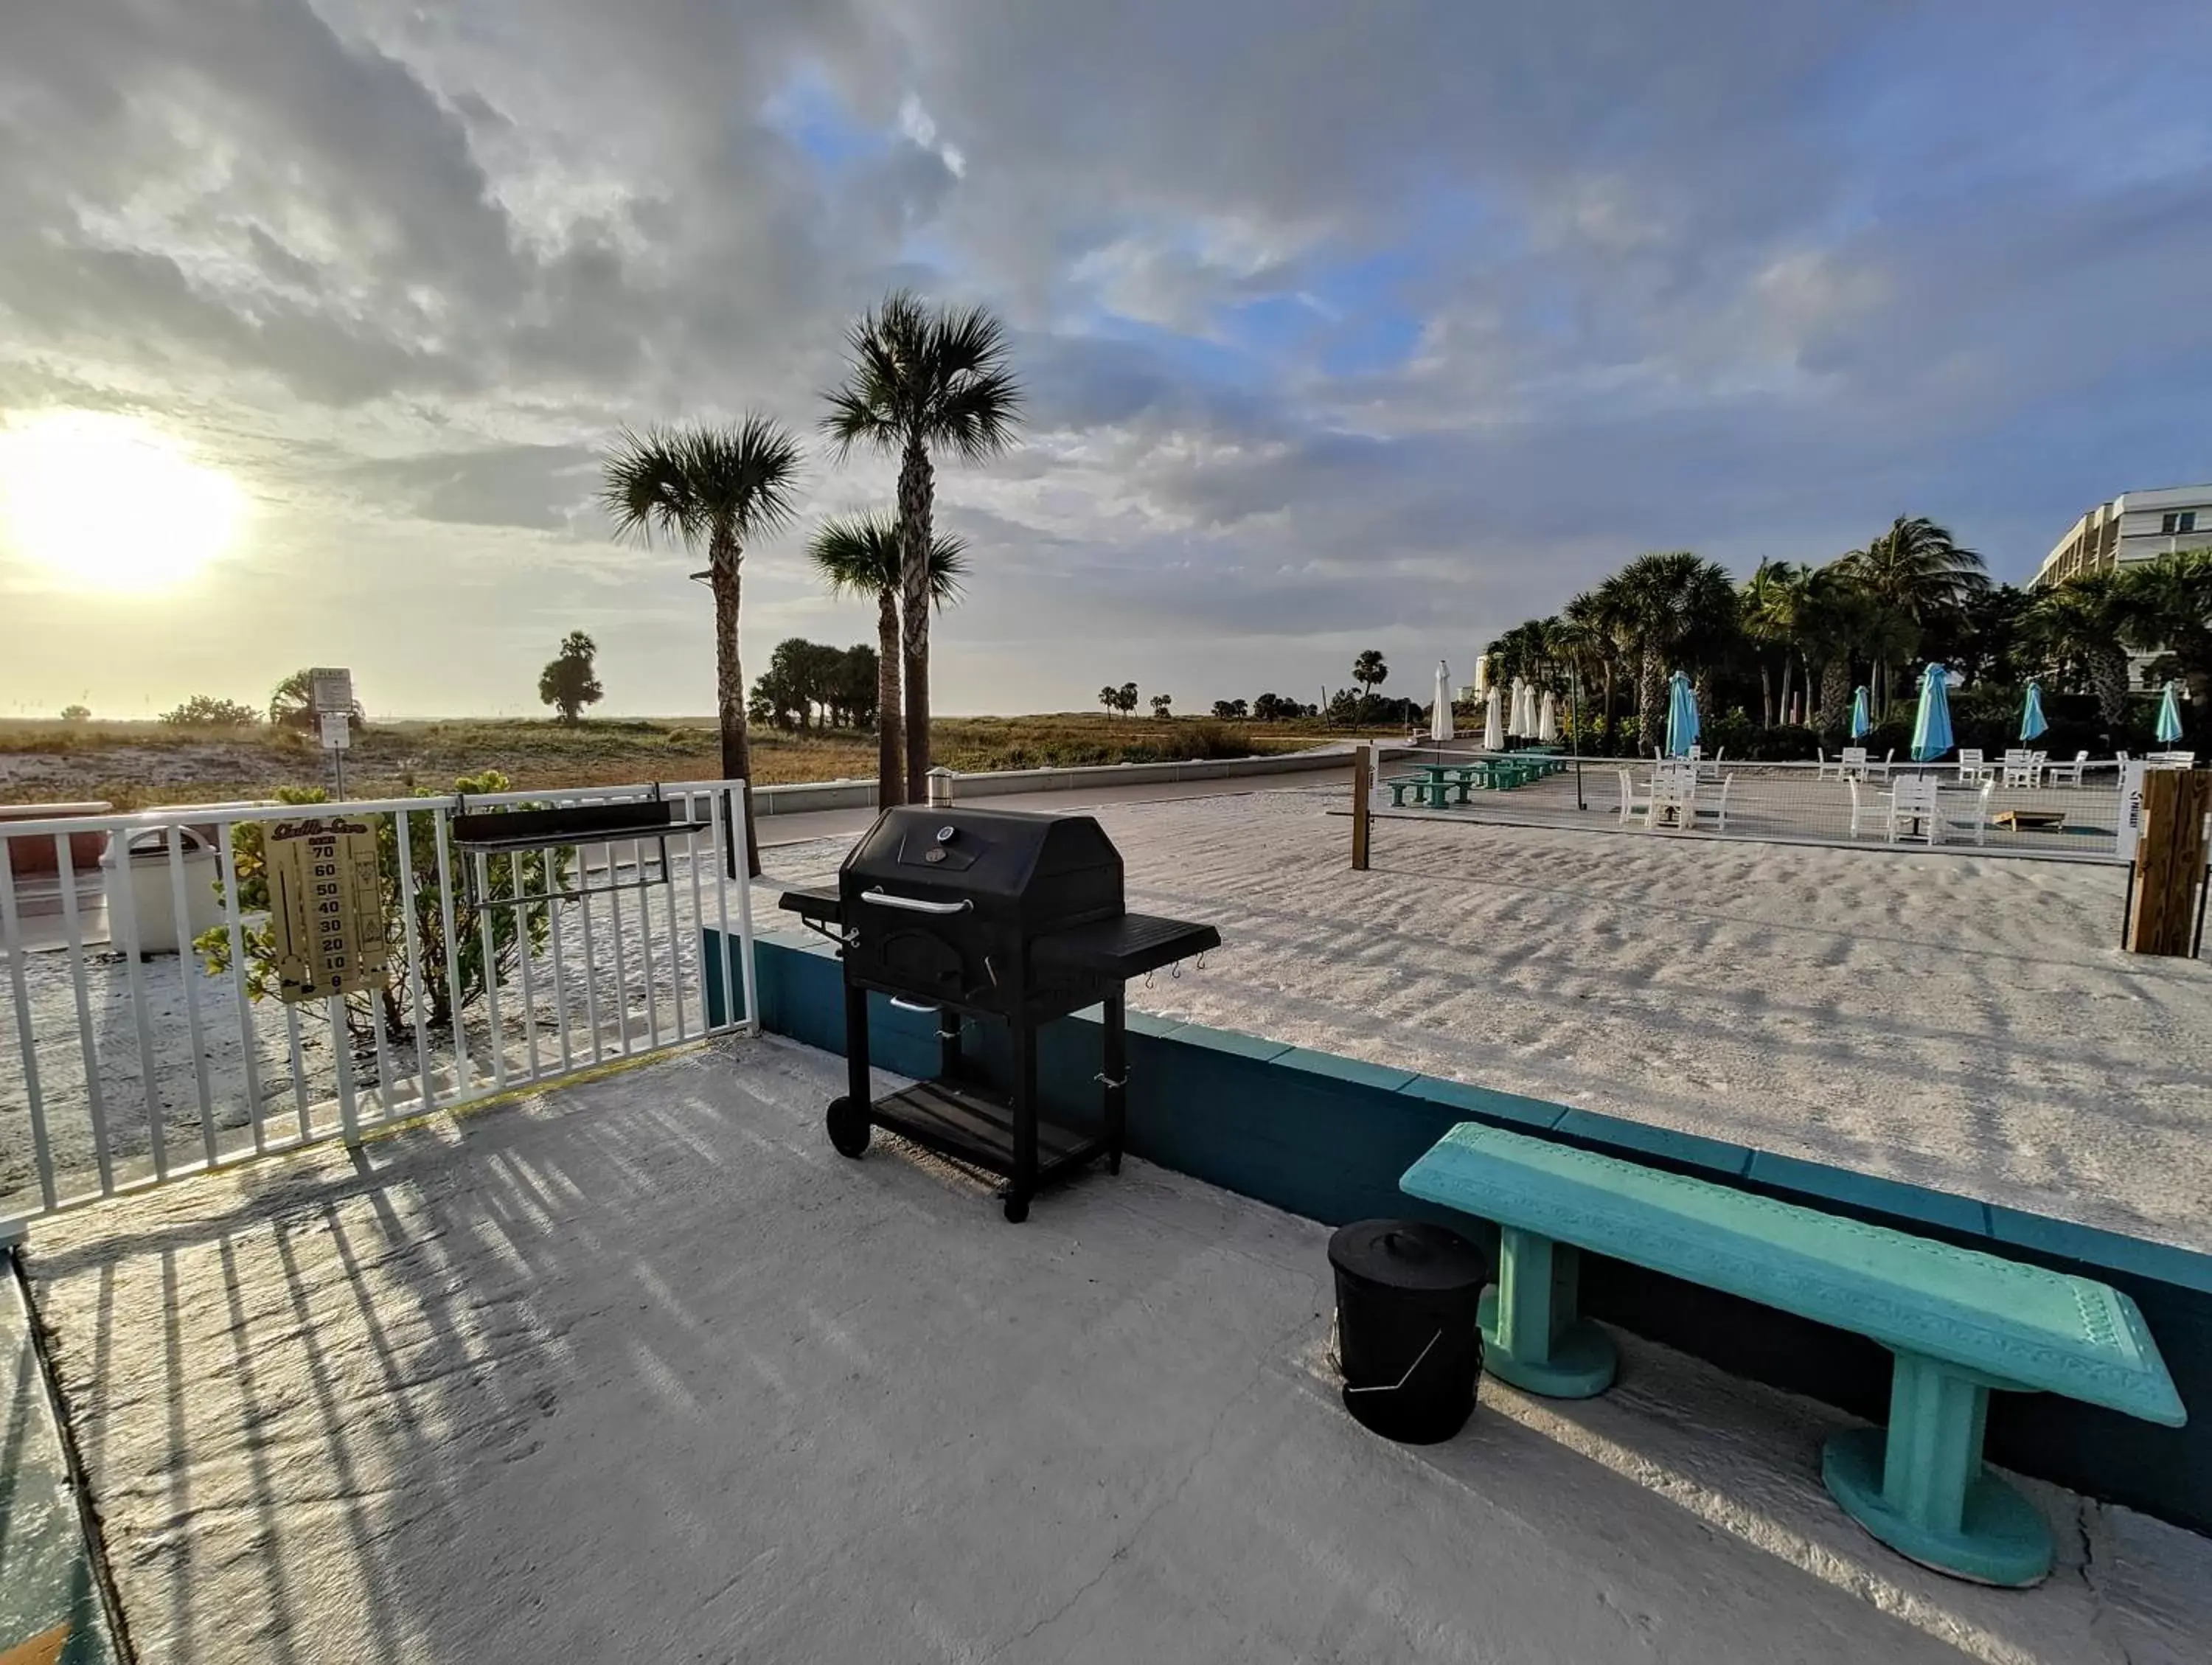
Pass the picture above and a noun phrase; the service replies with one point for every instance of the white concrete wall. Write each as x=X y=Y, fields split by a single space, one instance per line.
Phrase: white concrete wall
x=805 y=797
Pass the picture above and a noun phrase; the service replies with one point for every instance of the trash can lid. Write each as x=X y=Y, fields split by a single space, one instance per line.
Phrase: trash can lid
x=1411 y=1254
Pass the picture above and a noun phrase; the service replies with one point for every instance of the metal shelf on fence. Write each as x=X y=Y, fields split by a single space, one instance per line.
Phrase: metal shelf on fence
x=519 y=832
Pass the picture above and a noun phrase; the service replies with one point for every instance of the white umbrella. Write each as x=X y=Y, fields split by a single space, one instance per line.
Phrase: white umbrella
x=1513 y=711
x=1482 y=675
x=1493 y=723
x=1547 y=723
x=1440 y=722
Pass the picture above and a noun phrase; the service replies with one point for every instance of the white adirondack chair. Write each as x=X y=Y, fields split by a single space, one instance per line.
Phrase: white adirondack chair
x=1972 y=771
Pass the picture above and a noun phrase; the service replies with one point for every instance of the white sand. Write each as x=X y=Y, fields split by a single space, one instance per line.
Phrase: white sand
x=1965 y=1023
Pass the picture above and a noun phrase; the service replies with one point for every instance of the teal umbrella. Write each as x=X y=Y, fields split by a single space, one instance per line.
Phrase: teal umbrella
x=1681 y=716
x=1861 y=720
x=1931 y=724
x=2031 y=715
x=2169 y=717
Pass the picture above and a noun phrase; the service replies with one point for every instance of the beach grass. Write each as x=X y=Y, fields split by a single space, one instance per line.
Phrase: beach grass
x=135 y=765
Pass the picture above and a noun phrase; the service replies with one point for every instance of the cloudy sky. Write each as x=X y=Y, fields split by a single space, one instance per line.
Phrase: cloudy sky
x=1340 y=325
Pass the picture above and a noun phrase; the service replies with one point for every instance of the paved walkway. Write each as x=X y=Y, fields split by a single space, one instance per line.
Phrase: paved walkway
x=638 y=1368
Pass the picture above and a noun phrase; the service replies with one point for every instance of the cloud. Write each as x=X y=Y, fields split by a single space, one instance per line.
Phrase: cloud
x=1399 y=323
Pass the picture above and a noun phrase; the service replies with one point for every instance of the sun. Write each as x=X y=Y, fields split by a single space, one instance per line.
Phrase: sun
x=112 y=504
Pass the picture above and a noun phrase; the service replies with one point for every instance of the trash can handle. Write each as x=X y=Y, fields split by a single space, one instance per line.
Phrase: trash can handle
x=1393 y=1387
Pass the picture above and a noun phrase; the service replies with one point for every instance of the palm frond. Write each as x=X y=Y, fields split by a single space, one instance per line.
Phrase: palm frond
x=693 y=483
x=859 y=554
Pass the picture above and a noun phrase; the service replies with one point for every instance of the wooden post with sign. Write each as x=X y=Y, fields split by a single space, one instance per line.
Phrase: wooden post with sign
x=1362 y=795
x=2170 y=860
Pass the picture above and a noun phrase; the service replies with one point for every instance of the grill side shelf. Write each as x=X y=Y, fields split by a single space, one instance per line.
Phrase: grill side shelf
x=1127 y=947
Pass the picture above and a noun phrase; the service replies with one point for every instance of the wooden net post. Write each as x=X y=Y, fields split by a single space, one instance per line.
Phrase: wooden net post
x=1363 y=793
x=2170 y=862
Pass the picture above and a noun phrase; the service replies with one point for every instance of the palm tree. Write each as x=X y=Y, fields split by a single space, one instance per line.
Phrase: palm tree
x=2078 y=623
x=719 y=487
x=1916 y=571
x=860 y=553
x=2167 y=603
x=1671 y=605
x=1770 y=622
x=920 y=377
x=1368 y=670
x=1835 y=620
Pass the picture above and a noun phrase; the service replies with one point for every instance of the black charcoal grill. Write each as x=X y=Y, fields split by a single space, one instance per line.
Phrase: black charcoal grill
x=996 y=915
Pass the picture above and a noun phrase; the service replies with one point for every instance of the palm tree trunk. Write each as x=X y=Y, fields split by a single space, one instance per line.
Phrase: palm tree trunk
x=2108 y=676
x=723 y=557
x=890 y=731
x=1611 y=730
x=1765 y=695
x=1650 y=695
x=914 y=494
x=1835 y=689
x=1784 y=700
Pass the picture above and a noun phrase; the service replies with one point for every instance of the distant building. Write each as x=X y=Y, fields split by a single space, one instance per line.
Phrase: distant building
x=2136 y=525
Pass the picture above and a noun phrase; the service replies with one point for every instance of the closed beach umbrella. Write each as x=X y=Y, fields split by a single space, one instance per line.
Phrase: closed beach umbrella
x=1681 y=716
x=2169 y=717
x=2031 y=715
x=1482 y=675
x=1931 y=724
x=1493 y=723
x=1861 y=719
x=1548 y=721
x=1440 y=723
x=1513 y=711
x=1528 y=710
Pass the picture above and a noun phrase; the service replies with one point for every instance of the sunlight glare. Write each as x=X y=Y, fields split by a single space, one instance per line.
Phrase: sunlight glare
x=110 y=502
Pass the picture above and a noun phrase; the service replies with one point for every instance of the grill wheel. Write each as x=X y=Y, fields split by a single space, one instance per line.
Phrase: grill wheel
x=848 y=1127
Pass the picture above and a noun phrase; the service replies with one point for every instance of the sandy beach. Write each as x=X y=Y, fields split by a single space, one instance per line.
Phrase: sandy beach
x=1961 y=1022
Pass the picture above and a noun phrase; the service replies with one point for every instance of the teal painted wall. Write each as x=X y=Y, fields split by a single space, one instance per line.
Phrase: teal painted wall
x=1327 y=1137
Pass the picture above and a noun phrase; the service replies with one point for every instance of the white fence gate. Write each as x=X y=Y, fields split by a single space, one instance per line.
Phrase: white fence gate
x=129 y=1062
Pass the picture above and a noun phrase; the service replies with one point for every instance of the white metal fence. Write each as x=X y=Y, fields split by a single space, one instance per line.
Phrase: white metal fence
x=123 y=1067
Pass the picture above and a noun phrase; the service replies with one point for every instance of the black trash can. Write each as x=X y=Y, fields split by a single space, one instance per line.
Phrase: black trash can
x=1406 y=1334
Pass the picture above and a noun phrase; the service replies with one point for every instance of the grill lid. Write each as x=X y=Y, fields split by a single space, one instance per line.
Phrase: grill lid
x=1052 y=861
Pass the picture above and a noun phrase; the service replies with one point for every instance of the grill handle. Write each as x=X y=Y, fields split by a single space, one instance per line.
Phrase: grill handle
x=916 y=905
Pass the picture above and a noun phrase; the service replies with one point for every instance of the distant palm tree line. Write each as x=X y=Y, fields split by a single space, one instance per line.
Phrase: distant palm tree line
x=1808 y=633
x=919 y=380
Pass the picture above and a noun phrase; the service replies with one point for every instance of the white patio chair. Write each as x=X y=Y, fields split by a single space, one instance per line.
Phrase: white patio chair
x=1716 y=805
x=1881 y=770
x=1709 y=769
x=1632 y=802
x=1673 y=801
x=1852 y=765
x=1822 y=769
x=1914 y=809
x=2021 y=767
x=1972 y=771
x=1960 y=818
x=2066 y=775
x=1858 y=809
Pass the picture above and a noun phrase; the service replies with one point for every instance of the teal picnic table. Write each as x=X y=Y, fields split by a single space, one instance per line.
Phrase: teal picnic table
x=1440 y=779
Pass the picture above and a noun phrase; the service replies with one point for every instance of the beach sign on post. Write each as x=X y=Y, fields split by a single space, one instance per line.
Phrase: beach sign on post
x=330 y=695
x=326 y=906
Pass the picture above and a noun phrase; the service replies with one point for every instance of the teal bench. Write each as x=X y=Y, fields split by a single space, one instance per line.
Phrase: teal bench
x=1959 y=1324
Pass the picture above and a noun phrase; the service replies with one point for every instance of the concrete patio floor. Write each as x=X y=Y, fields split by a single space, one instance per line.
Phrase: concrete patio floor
x=638 y=1368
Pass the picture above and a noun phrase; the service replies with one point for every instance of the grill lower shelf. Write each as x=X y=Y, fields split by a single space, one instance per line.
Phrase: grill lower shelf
x=977 y=1126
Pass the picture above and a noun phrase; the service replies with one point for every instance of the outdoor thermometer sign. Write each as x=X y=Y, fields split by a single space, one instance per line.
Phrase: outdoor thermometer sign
x=326 y=906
